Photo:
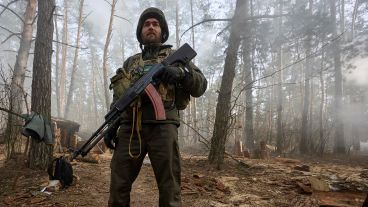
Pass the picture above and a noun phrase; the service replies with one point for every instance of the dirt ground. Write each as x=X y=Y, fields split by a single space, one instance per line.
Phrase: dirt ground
x=266 y=183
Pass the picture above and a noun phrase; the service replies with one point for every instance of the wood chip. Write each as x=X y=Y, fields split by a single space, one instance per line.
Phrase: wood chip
x=318 y=185
x=305 y=189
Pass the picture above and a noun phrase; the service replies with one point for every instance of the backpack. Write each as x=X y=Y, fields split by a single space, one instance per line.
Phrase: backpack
x=62 y=171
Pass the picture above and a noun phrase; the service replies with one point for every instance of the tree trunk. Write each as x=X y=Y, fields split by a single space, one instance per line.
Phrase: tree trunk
x=256 y=119
x=177 y=25
x=356 y=6
x=279 y=129
x=279 y=108
x=64 y=50
x=248 y=79
x=310 y=123
x=249 y=132
x=57 y=68
x=320 y=118
x=342 y=19
x=94 y=86
x=339 y=124
x=223 y=107
x=270 y=112
x=105 y=54
x=40 y=154
x=355 y=99
x=304 y=141
x=16 y=98
x=69 y=100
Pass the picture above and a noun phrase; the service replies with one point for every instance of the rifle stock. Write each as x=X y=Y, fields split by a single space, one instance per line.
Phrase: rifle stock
x=183 y=55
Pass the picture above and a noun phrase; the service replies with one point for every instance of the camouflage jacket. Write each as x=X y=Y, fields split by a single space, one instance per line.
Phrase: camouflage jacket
x=174 y=96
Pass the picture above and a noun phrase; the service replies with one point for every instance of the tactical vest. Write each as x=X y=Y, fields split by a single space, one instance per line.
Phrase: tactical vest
x=138 y=112
x=125 y=77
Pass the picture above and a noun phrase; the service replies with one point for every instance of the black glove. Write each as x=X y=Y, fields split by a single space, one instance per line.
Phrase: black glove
x=172 y=74
x=187 y=81
x=110 y=138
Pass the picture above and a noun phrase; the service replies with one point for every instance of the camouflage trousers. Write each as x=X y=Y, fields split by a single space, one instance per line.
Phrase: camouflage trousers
x=160 y=141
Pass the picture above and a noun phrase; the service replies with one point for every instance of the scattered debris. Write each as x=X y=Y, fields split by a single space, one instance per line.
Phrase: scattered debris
x=287 y=160
x=305 y=168
x=204 y=185
x=318 y=185
x=340 y=199
x=305 y=189
x=91 y=158
x=265 y=183
x=364 y=174
x=53 y=186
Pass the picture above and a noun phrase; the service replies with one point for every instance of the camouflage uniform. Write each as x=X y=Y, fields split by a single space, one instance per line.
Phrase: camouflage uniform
x=139 y=132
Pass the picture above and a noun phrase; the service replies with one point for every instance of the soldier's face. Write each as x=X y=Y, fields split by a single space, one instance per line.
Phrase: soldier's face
x=151 y=31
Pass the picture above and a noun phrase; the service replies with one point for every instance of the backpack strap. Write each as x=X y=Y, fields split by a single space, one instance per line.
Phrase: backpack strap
x=51 y=169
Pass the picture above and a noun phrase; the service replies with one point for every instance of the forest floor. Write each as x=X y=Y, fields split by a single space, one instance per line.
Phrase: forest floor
x=276 y=182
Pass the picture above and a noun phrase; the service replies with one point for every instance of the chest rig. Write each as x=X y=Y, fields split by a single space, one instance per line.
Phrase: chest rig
x=127 y=76
x=138 y=67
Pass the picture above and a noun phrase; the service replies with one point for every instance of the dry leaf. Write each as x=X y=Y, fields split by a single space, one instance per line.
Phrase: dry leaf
x=318 y=185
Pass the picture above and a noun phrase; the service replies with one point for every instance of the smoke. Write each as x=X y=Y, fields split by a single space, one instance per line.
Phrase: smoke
x=359 y=76
x=99 y=16
x=358 y=48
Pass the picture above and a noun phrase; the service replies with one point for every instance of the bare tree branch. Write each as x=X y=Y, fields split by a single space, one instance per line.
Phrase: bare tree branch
x=204 y=21
x=304 y=58
x=108 y=2
x=11 y=34
x=16 y=34
x=52 y=14
x=7 y=8
x=34 y=19
x=223 y=30
x=10 y=51
x=123 y=19
x=201 y=139
x=82 y=48
x=230 y=20
x=84 y=18
x=8 y=30
x=247 y=86
x=11 y=112
x=11 y=68
x=207 y=144
x=6 y=39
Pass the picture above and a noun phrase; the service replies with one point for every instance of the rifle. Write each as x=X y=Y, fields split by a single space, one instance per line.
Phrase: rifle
x=146 y=83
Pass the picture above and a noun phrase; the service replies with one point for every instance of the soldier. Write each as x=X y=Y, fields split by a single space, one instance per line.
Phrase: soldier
x=140 y=133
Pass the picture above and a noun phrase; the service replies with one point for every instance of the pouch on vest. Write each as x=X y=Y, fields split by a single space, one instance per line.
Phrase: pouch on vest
x=120 y=83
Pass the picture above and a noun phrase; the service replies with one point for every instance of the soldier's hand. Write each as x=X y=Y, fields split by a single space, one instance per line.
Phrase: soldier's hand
x=110 y=139
x=172 y=74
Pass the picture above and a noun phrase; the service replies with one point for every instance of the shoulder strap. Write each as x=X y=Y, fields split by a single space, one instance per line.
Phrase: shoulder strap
x=51 y=170
x=141 y=62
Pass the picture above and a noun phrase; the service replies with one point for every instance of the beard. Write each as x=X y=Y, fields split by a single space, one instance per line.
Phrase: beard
x=151 y=38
